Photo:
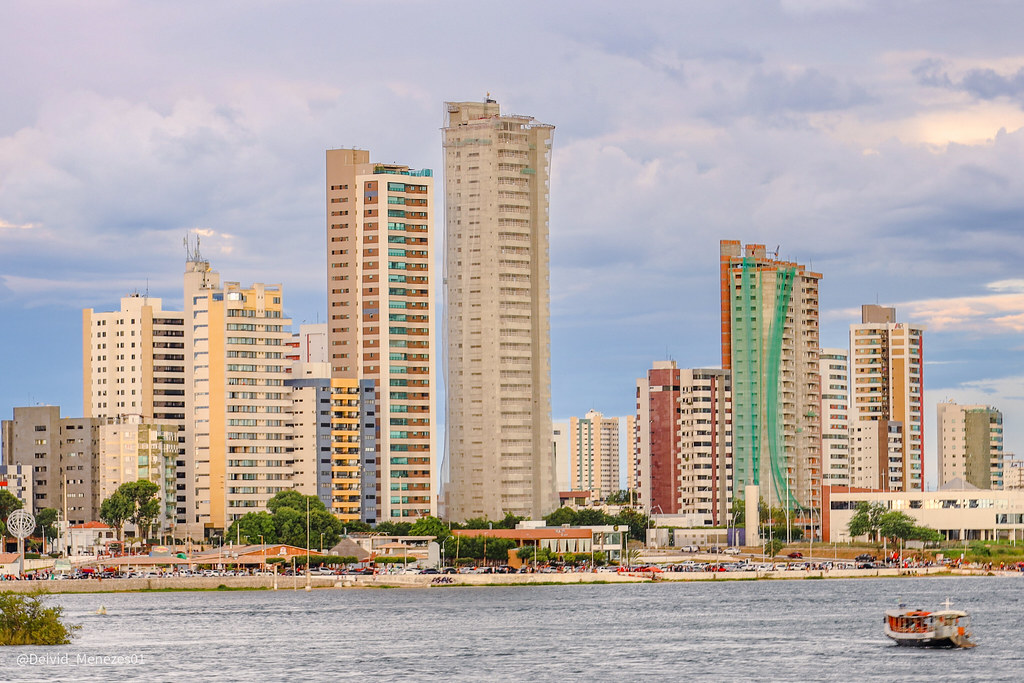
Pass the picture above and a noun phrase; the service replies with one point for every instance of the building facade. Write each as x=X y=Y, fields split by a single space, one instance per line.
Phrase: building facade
x=62 y=454
x=130 y=450
x=834 y=368
x=876 y=455
x=237 y=402
x=684 y=442
x=886 y=367
x=594 y=452
x=380 y=238
x=970 y=445
x=769 y=314
x=959 y=512
x=134 y=367
x=497 y=297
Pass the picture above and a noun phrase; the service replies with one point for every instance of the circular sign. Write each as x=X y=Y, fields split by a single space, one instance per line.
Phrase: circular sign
x=21 y=523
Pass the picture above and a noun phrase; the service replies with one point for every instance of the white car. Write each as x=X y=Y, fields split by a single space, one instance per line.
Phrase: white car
x=731 y=551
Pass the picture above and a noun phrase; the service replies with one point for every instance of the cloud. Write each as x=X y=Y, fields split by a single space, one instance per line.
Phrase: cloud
x=16 y=226
x=994 y=313
x=982 y=83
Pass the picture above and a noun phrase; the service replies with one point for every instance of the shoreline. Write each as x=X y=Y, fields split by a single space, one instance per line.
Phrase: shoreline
x=242 y=583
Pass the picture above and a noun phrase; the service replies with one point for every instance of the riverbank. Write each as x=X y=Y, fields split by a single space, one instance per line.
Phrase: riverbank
x=213 y=583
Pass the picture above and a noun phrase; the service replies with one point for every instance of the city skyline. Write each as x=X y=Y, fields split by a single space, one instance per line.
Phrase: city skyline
x=884 y=160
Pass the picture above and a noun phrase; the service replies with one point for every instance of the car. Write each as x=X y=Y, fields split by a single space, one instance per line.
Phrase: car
x=795 y=555
x=430 y=570
x=731 y=551
x=689 y=549
x=865 y=557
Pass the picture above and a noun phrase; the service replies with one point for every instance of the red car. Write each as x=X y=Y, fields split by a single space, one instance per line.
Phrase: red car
x=795 y=556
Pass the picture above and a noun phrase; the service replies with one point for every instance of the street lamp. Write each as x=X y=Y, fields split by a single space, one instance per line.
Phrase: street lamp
x=321 y=542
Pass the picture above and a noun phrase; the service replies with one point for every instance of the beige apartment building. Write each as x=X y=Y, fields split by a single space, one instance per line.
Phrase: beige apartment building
x=237 y=403
x=594 y=452
x=886 y=366
x=497 y=296
x=133 y=366
x=834 y=368
x=380 y=244
x=970 y=445
x=130 y=450
x=770 y=342
x=62 y=452
x=876 y=455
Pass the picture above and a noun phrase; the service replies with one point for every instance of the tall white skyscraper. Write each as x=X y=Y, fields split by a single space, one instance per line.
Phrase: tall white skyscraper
x=498 y=313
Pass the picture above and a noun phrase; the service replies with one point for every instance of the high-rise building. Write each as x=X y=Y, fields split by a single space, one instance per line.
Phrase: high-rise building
x=560 y=453
x=594 y=452
x=133 y=366
x=834 y=368
x=770 y=343
x=62 y=452
x=130 y=450
x=684 y=429
x=497 y=297
x=309 y=380
x=876 y=455
x=970 y=445
x=380 y=243
x=886 y=368
x=237 y=403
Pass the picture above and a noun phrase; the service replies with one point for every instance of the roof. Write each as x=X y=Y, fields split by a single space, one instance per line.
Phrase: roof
x=8 y=558
x=958 y=484
x=526 y=534
x=91 y=525
x=348 y=548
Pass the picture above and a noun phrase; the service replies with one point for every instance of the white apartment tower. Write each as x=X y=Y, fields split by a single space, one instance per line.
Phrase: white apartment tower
x=594 y=452
x=133 y=366
x=497 y=297
x=380 y=244
x=886 y=367
x=834 y=368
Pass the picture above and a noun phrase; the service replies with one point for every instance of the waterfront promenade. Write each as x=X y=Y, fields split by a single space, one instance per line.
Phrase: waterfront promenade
x=451 y=580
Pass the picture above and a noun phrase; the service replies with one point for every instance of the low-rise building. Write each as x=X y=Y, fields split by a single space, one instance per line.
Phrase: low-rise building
x=959 y=511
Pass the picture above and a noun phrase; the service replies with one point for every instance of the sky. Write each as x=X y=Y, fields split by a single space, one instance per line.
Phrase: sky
x=878 y=142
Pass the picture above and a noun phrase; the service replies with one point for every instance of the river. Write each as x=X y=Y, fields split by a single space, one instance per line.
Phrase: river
x=726 y=630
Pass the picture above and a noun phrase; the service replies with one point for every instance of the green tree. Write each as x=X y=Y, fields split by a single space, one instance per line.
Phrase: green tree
x=866 y=520
x=497 y=549
x=563 y=515
x=356 y=527
x=930 y=536
x=636 y=521
x=393 y=528
x=430 y=526
x=478 y=523
x=251 y=526
x=145 y=505
x=115 y=510
x=623 y=497
x=24 y=620
x=896 y=525
x=591 y=517
x=738 y=512
x=294 y=500
x=509 y=521
x=773 y=547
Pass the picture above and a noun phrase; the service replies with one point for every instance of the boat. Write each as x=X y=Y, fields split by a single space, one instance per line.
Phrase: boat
x=918 y=628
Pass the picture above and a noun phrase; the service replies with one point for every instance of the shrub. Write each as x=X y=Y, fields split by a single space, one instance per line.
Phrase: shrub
x=24 y=620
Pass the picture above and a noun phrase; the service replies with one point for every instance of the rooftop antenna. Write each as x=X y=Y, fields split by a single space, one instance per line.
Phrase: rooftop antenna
x=777 y=246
